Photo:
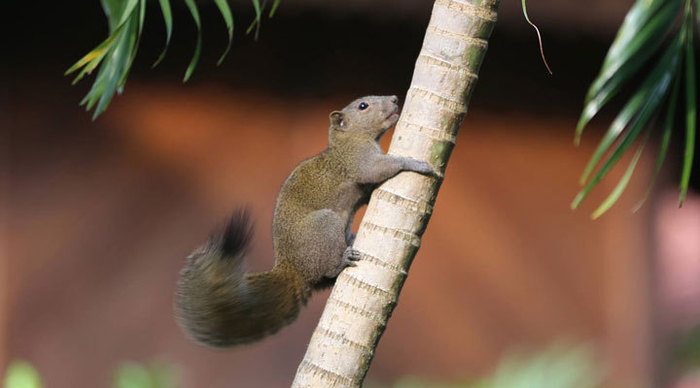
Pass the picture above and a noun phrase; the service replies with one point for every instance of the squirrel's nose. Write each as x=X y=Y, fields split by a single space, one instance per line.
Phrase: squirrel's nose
x=394 y=99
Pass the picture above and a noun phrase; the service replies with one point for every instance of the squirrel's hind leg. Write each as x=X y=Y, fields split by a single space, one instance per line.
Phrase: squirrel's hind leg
x=325 y=246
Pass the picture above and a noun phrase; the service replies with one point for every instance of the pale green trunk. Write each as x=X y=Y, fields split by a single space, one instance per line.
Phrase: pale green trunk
x=363 y=298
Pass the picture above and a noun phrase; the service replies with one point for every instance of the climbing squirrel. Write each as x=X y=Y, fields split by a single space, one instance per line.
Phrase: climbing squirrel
x=220 y=305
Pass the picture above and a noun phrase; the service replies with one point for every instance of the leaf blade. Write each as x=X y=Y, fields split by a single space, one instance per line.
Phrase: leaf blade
x=615 y=194
x=95 y=54
x=198 y=48
x=258 y=19
x=691 y=109
x=665 y=141
x=273 y=9
x=225 y=11
x=166 y=11
x=114 y=12
x=118 y=67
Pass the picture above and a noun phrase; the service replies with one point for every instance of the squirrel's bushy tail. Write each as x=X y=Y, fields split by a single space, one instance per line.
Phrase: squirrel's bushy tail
x=220 y=305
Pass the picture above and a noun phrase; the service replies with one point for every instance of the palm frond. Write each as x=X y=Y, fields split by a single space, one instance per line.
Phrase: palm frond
x=115 y=55
x=649 y=34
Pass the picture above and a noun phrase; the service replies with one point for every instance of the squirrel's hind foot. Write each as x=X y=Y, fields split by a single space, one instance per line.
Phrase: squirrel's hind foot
x=351 y=256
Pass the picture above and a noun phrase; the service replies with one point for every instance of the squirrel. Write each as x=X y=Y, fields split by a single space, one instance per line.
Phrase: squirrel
x=220 y=305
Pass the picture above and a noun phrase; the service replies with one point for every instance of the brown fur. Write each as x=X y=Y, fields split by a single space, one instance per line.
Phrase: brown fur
x=221 y=306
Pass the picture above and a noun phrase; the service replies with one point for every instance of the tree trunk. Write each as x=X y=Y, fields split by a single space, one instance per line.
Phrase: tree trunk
x=363 y=298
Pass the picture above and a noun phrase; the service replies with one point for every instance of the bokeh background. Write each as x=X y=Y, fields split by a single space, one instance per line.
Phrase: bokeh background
x=97 y=216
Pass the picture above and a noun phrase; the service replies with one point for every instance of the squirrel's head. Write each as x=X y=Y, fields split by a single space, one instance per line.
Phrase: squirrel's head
x=367 y=116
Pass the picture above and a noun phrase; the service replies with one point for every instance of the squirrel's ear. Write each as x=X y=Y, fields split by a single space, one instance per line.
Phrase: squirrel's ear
x=337 y=119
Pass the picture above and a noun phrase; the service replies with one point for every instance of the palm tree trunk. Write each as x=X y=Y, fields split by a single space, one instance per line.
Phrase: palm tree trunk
x=363 y=298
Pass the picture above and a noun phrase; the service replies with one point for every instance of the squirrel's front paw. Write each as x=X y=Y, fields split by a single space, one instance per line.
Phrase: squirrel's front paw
x=425 y=168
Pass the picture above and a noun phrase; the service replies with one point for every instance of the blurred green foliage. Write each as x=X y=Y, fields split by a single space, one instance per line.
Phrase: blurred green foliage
x=560 y=366
x=21 y=374
x=152 y=375
x=687 y=349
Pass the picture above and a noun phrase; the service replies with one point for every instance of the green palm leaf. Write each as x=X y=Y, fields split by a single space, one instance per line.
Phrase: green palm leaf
x=657 y=83
x=621 y=185
x=641 y=42
x=198 y=48
x=115 y=55
x=228 y=19
x=257 y=20
x=642 y=98
x=273 y=9
x=628 y=41
x=168 y=20
x=646 y=27
x=665 y=140
x=691 y=108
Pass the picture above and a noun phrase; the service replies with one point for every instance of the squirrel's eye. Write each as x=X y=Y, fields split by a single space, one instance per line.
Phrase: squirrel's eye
x=363 y=106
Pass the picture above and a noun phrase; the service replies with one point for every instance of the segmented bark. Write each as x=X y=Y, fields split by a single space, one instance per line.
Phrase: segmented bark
x=363 y=298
